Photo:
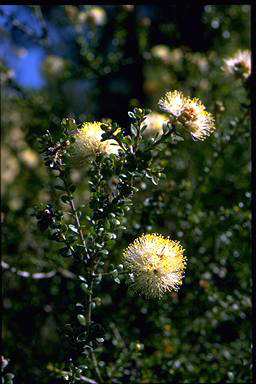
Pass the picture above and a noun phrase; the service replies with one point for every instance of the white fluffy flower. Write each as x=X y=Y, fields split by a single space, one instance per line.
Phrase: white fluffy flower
x=189 y=113
x=156 y=265
x=239 y=64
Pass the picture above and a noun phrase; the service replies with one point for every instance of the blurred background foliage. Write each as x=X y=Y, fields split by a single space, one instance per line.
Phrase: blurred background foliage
x=96 y=63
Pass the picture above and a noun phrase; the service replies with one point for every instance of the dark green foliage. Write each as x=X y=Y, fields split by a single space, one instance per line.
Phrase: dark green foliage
x=68 y=315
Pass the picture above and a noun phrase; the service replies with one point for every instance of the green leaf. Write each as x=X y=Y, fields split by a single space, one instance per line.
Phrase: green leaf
x=133 y=129
x=107 y=224
x=154 y=180
x=104 y=252
x=131 y=115
x=177 y=138
x=69 y=124
x=54 y=234
x=73 y=228
x=81 y=319
x=72 y=188
x=98 y=279
x=8 y=378
x=110 y=235
x=104 y=127
x=65 y=252
x=84 y=287
x=105 y=136
x=81 y=278
x=60 y=187
x=165 y=128
x=138 y=112
x=65 y=199
x=161 y=175
x=72 y=239
x=142 y=129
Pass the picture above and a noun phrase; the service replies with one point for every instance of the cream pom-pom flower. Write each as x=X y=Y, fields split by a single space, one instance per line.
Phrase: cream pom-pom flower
x=154 y=124
x=189 y=113
x=239 y=64
x=155 y=264
x=88 y=143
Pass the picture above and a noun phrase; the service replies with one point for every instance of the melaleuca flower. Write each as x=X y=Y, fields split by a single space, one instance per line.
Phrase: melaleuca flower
x=239 y=65
x=173 y=103
x=154 y=124
x=97 y=15
x=54 y=66
x=189 y=113
x=155 y=264
x=88 y=143
x=162 y=52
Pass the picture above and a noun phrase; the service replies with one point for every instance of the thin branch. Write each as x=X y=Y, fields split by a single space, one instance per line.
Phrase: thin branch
x=162 y=137
x=13 y=21
x=87 y=380
x=74 y=212
x=94 y=359
x=121 y=144
x=38 y=275
x=89 y=315
x=111 y=273
x=90 y=303
x=95 y=363
x=67 y=243
x=117 y=334
x=39 y=15
x=72 y=205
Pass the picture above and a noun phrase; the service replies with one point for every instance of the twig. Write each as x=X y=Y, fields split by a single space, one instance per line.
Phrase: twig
x=160 y=139
x=117 y=334
x=95 y=363
x=67 y=243
x=38 y=12
x=120 y=144
x=74 y=212
x=38 y=275
x=72 y=205
x=15 y=22
x=94 y=359
x=87 y=380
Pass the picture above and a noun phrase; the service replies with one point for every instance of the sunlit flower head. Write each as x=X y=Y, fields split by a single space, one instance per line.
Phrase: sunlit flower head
x=154 y=124
x=161 y=52
x=167 y=55
x=96 y=15
x=155 y=265
x=30 y=157
x=239 y=64
x=88 y=143
x=54 y=66
x=173 y=103
x=189 y=113
x=199 y=60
